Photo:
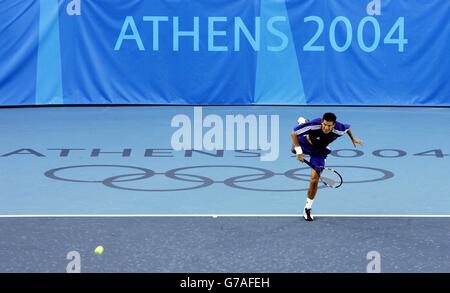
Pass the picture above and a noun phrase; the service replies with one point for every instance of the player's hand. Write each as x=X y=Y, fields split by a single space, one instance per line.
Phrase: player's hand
x=356 y=141
x=300 y=157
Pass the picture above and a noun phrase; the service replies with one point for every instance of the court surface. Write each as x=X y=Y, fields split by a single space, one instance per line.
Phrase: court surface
x=77 y=177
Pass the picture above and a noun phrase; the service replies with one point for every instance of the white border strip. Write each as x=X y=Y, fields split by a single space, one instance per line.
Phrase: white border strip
x=217 y=215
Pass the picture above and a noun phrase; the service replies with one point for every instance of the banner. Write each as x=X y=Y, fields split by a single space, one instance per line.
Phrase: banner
x=225 y=52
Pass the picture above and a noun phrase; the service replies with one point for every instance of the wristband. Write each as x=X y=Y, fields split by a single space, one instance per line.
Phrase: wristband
x=298 y=150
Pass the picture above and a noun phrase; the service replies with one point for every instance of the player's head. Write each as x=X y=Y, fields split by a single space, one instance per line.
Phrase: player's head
x=328 y=121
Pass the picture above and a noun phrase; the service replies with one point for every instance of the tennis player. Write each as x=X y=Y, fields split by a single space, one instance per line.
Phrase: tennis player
x=312 y=138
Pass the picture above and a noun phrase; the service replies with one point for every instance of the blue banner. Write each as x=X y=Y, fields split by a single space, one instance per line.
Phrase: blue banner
x=288 y=52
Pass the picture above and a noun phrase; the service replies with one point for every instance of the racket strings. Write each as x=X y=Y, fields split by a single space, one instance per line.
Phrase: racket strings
x=330 y=178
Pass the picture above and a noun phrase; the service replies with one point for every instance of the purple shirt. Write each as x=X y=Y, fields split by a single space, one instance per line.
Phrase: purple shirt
x=314 y=129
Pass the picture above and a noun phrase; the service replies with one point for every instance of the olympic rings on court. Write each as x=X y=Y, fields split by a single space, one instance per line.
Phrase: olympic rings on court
x=202 y=181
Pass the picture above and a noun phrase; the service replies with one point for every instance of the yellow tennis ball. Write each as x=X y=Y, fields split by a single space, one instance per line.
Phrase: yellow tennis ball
x=99 y=250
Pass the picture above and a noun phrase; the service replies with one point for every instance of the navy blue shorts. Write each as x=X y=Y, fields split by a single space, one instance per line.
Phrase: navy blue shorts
x=318 y=156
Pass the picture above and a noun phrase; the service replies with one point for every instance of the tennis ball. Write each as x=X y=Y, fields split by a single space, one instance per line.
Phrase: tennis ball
x=99 y=250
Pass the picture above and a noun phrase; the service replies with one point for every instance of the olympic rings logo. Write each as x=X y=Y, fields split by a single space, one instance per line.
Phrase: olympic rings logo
x=201 y=181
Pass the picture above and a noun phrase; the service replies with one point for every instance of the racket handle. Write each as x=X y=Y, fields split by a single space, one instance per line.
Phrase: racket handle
x=317 y=169
x=308 y=163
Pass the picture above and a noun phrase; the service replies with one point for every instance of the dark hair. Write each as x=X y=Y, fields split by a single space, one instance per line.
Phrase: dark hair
x=329 y=117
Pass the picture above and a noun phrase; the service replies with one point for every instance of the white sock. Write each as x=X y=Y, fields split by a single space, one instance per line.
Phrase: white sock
x=309 y=203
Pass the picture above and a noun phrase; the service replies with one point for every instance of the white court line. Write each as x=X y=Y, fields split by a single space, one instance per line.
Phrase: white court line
x=218 y=215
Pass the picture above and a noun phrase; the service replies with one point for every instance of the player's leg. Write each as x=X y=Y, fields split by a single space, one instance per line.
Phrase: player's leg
x=317 y=160
x=313 y=184
x=312 y=190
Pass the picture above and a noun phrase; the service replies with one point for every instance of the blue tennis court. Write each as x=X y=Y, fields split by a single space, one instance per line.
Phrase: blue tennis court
x=161 y=133
x=77 y=177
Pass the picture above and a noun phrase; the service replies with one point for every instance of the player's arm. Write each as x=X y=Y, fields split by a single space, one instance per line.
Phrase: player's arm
x=355 y=140
x=297 y=148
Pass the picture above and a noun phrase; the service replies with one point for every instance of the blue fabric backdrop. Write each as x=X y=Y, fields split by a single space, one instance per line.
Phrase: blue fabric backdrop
x=293 y=52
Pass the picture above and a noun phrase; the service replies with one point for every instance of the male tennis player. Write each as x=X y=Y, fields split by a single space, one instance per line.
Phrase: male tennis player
x=312 y=138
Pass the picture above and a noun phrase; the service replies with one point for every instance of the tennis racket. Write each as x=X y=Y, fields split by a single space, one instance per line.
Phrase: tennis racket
x=328 y=176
